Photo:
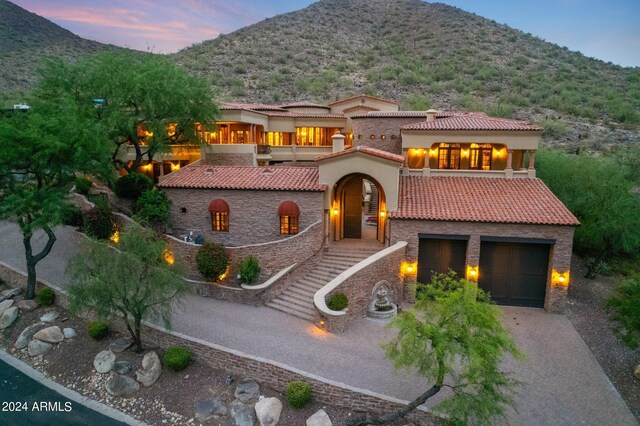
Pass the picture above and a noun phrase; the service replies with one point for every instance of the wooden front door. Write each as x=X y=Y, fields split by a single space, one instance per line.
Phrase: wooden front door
x=352 y=207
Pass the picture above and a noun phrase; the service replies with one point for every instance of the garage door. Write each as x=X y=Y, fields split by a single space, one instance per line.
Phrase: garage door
x=439 y=255
x=514 y=273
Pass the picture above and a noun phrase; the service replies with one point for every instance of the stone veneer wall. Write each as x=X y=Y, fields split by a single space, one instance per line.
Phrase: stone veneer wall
x=363 y=128
x=560 y=256
x=227 y=159
x=253 y=215
x=274 y=374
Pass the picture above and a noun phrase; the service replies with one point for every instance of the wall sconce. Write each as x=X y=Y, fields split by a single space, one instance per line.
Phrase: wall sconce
x=409 y=268
x=473 y=272
x=335 y=212
x=175 y=167
x=432 y=152
x=560 y=279
x=383 y=213
x=183 y=210
x=372 y=137
x=465 y=152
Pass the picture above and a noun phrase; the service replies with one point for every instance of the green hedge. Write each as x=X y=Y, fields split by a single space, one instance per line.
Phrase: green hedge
x=298 y=393
x=338 y=302
x=176 y=358
x=212 y=260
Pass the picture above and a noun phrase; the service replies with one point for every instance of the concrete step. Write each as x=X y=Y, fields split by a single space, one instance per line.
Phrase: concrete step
x=300 y=312
x=301 y=292
x=299 y=301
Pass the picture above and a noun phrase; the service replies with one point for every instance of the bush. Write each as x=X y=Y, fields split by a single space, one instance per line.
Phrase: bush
x=153 y=208
x=132 y=186
x=298 y=393
x=98 y=330
x=98 y=222
x=338 y=302
x=249 y=269
x=623 y=308
x=72 y=216
x=45 y=297
x=212 y=260
x=83 y=185
x=176 y=358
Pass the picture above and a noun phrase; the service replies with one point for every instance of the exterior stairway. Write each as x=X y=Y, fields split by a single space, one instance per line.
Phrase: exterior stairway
x=373 y=204
x=297 y=298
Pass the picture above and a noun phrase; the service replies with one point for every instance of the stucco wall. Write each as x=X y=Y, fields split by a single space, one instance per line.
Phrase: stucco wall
x=253 y=215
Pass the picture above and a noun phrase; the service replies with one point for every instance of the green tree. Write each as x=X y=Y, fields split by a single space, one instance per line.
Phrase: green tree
x=598 y=192
x=145 y=93
x=134 y=281
x=453 y=338
x=153 y=208
x=624 y=308
x=41 y=151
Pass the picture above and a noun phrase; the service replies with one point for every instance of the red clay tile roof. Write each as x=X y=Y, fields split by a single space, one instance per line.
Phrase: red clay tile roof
x=471 y=121
x=466 y=199
x=366 y=96
x=302 y=104
x=249 y=106
x=365 y=150
x=278 y=111
x=236 y=177
x=409 y=114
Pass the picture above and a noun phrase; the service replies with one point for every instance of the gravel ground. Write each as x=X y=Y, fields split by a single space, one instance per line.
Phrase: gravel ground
x=585 y=310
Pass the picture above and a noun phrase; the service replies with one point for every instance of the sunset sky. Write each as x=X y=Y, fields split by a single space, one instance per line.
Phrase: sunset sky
x=604 y=29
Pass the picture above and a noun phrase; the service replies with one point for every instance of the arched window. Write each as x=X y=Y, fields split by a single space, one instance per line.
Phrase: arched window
x=289 y=212
x=219 y=210
x=449 y=156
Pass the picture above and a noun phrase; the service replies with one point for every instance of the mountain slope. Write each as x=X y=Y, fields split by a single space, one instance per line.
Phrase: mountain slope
x=422 y=55
x=25 y=38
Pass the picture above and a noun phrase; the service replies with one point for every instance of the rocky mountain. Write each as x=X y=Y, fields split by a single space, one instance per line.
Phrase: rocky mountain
x=423 y=55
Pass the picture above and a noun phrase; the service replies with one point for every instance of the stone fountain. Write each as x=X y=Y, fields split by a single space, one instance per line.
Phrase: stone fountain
x=382 y=306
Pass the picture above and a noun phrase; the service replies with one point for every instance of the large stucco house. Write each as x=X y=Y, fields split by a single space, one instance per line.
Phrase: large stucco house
x=432 y=190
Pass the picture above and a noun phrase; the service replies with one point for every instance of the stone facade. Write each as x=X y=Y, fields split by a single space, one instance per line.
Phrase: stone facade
x=560 y=255
x=363 y=128
x=228 y=159
x=253 y=214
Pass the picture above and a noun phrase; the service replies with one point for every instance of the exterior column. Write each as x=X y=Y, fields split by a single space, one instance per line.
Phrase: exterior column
x=532 y=159
x=509 y=159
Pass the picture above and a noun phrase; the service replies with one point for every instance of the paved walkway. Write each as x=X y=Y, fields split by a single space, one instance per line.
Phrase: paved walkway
x=563 y=383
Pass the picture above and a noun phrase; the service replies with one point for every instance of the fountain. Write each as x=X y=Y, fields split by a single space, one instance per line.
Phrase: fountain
x=382 y=306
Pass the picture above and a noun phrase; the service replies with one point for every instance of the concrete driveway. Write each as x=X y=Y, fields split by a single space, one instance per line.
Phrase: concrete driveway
x=562 y=382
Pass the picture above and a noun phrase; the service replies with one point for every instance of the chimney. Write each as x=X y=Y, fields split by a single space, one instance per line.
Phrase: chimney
x=338 y=142
x=431 y=115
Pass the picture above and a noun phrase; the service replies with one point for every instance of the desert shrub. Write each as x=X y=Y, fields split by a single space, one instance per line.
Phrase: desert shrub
x=624 y=312
x=298 y=393
x=45 y=297
x=132 y=185
x=72 y=217
x=153 y=208
x=98 y=330
x=176 y=358
x=83 y=185
x=212 y=260
x=338 y=302
x=249 y=269
x=98 y=222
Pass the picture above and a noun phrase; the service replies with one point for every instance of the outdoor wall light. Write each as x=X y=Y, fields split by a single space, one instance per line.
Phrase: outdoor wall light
x=383 y=213
x=473 y=272
x=560 y=278
x=335 y=212
x=183 y=210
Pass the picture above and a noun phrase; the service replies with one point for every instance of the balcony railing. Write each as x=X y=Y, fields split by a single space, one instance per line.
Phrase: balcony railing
x=523 y=173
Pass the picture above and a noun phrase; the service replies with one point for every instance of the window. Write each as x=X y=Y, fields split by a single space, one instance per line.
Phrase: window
x=219 y=210
x=289 y=212
x=449 y=156
x=480 y=156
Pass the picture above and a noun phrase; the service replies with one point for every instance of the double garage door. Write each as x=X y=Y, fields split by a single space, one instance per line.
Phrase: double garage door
x=514 y=272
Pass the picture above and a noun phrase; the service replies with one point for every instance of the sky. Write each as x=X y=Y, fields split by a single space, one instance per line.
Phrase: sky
x=603 y=29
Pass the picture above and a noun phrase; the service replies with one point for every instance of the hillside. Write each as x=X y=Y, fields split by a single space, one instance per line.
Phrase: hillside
x=423 y=55
x=25 y=38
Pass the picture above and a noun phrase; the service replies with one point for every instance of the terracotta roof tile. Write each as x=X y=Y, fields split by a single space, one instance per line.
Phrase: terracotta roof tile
x=467 y=199
x=302 y=104
x=236 y=177
x=405 y=114
x=250 y=106
x=365 y=150
x=366 y=96
x=470 y=121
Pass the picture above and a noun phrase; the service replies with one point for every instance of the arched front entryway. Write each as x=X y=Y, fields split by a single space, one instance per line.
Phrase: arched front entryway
x=358 y=208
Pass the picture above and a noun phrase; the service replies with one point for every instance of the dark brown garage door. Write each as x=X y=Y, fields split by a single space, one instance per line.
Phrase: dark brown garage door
x=440 y=255
x=514 y=273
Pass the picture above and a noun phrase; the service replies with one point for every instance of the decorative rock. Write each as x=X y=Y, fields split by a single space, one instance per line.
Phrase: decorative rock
x=123 y=367
x=27 y=305
x=103 y=362
x=319 y=418
x=49 y=316
x=8 y=294
x=242 y=414
x=268 y=411
x=121 y=344
x=50 y=335
x=8 y=317
x=27 y=334
x=207 y=409
x=151 y=369
x=636 y=372
x=120 y=385
x=37 y=347
x=4 y=305
x=247 y=390
x=69 y=333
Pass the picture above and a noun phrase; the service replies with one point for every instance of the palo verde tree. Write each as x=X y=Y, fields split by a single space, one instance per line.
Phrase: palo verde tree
x=454 y=339
x=41 y=151
x=146 y=103
x=135 y=280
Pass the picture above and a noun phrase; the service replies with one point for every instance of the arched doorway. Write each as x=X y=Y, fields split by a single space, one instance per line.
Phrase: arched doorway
x=354 y=215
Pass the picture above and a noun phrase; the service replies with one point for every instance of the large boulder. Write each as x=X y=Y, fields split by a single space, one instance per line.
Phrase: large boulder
x=4 y=305
x=242 y=414
x=69 y=333
x=120 y=385
x=49 y=316
x=207 y=409
x=151 y=369
x=27 y=305
x=27 y=334
x=8 y=294
x=51 y=334
x=123 y=367
x=38 y=347
x=8 y=317
x=103 y=362
x=121 y=344
x=247 y=390
x=268 y=411
x=319 y=418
